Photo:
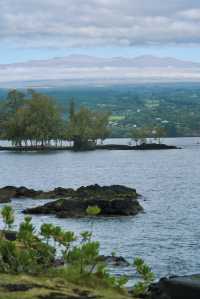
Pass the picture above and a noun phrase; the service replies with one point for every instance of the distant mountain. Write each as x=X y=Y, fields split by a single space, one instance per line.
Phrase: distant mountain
x=83 y=69
x=71 y=61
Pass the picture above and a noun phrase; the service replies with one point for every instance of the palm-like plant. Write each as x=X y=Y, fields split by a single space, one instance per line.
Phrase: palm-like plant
x=46 y=231
x=8 y=216
x=147 y=278
x=26 y=231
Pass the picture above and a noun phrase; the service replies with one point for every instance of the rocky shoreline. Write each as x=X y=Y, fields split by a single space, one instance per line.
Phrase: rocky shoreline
x=9 y=192
x=144 y=146
x=176 y=287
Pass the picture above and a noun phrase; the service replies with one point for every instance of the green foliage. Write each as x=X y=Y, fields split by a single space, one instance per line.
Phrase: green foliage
x=27 y=254
x=174 y=107
x=146 y=275
x=85 y=127
x=110 y=280
x=93 y=211
x=31 y=253
x=140 y=135
x=26 y=231
x=46 y=231
x=85 y=256
x=8 y=216
x=86 y=236
x=34 y=119
x=122 y=281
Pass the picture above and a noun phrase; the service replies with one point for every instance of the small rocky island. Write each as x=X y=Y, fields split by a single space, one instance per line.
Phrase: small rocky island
x=115 y=200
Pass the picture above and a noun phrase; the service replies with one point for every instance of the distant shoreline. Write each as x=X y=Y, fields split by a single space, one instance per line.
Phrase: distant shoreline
x=150 y=146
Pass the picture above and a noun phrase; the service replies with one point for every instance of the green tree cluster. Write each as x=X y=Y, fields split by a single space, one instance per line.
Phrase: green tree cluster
x=34 y=119
x=85 y=127
x=144 y=135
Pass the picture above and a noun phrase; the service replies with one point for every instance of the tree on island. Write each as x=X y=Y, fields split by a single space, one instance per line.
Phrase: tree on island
x=139 y=135
x=143 y=135
x=34 y=119
x=85 y=127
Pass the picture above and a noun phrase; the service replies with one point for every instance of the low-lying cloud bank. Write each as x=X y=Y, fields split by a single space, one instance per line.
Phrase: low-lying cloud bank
x=81 y=70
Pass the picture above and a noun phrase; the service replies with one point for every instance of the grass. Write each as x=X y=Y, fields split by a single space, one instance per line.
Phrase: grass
x=41 y=287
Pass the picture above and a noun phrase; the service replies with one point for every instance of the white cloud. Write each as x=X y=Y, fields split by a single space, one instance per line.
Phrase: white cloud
x=191 y=14
x=85 y=23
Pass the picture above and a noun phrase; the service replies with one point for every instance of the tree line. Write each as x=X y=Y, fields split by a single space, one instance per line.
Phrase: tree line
x=34 y=119
x=147 y=134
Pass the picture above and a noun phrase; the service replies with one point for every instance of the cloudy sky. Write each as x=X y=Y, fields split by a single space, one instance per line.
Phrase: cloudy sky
x=40 y=29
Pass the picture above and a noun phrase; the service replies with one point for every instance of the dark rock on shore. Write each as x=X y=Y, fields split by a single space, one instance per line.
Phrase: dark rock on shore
x=155 y=146
x=143 y=146
x=113 y=200
x=4 y=198
x=117 y=261
x=9 y=192
x=114 y=261
x=9 y=234
x=185 y=287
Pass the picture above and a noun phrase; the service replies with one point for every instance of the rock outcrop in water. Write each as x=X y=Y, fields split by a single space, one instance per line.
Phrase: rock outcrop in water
x=9 y=192
x=113 y=200
x=143 y=146
x=185 y=287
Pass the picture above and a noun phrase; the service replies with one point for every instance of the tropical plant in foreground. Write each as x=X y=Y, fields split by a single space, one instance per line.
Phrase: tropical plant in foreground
x=26 y=231
x=46 y=231
x=147 y=278
x=31 y=253
x=8 y=216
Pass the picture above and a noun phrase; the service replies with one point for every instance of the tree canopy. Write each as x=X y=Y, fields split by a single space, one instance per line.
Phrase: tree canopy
x=34 y=119
x=85 y=126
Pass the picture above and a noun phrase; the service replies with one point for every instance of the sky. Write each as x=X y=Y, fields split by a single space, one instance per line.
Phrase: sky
x=42 y=29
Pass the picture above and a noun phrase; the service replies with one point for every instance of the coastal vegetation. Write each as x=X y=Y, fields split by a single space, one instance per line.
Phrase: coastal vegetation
x=33 y=120
x=60 y=261
x=145 y=135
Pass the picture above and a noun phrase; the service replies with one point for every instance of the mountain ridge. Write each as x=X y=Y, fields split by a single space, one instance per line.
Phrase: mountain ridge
x=121 y=61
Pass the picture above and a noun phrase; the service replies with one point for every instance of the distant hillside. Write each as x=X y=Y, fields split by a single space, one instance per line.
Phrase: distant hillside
x=175 y=107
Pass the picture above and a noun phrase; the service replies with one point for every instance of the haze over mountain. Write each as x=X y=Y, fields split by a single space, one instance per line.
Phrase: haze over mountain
x=83 y=69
